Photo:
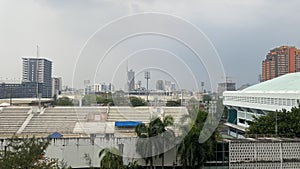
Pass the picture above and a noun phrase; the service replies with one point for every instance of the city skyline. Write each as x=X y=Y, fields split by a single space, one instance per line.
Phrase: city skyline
x=231 y=30
x=150 y=84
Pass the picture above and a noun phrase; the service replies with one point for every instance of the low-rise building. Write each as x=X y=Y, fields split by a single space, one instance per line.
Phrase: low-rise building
x=279 y=93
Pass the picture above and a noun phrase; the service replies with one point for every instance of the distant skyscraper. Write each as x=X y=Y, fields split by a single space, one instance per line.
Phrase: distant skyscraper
x=98 y=88
x=56 y=85
x=87 y=87
x=130 y=80
x=138 y=85
x=103 y=87
x=280 y=61
x=160 y=85
x=38 y=70
x=168 y=85
x=110 y=87
x=173 y=86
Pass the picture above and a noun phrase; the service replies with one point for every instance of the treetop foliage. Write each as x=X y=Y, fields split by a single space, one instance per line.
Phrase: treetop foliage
x=27 y=153
x=287 y=124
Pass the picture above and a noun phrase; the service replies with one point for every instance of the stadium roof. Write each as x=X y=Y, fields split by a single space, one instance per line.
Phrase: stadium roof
x=285 y=83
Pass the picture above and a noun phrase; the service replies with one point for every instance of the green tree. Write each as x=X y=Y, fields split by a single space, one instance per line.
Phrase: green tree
x=206 y=98
x=110 y=158
x=191 y=153
x=120 y=99
x=89 y=99
x=157 y=128
x=173 y=103
x=26 y=153
x=88 y=160
x=64 y=101
x=105 y=99
x=137 y=101
x=287 y=123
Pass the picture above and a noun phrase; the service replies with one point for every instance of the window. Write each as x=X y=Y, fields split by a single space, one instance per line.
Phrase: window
x=272 y=101
x=284 y=102
x=276 y=101
x=289 y=102
x=280 y=101
x=263 y=100
x=268 y=101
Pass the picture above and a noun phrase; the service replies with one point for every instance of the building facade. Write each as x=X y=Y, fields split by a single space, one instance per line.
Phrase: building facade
x=279 y=93
x=99 y=88
x=56 y=86
x=280 y=61
x=23 y=90
x=130 y=80
x=264 y=153
x=226 y=86
x=36 y=81
x=160 y=85
x=38 y=70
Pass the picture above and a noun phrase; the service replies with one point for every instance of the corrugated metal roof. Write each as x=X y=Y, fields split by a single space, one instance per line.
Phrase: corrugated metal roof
x=287 y=82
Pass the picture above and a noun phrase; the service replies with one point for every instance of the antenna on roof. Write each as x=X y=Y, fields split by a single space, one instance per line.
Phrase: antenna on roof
x=37 y=70
x=37 y=51
x=37 y=75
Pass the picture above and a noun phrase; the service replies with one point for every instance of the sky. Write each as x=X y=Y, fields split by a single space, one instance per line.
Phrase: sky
x=70 y=33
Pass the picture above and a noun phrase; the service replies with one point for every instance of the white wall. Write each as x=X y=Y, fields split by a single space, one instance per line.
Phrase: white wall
x=73 y=150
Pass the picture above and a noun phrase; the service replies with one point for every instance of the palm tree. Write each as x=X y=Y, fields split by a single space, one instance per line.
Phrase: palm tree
x=110 y=158
x=157 y=128
x=133 y=165
x=193 y=154
x=168 y=136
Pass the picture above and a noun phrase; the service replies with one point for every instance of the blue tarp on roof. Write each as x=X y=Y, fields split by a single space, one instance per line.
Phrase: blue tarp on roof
x=127 y=123
x=55 y=135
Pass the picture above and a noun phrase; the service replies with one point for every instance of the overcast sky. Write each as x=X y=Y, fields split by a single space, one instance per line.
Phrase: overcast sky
x=241 y=31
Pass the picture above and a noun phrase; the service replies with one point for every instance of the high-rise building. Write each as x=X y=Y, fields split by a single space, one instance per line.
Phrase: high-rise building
x=138 y=85
x=38 y=70
x=87 y=87
x=36 y=81
x=56 y=85
x=160 y=85
x=280 y=61
x=98 y=88
x=169 y=86
x=110 y=87
x=130 y=80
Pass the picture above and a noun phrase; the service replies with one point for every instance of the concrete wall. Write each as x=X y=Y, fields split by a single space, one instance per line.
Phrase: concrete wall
x=72 y=151
x=264 y=154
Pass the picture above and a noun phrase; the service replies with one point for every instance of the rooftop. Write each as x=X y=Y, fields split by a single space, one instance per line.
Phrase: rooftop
x=285 y=83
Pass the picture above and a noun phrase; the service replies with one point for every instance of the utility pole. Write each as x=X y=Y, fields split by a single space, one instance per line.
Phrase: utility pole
x=10 y=98
x=147 y=77
x=276 y=125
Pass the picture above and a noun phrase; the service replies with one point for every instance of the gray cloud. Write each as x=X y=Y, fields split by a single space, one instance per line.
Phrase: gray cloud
x=242 y=31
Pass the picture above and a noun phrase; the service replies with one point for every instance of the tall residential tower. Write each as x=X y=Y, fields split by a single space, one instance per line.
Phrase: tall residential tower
x=280 y=61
